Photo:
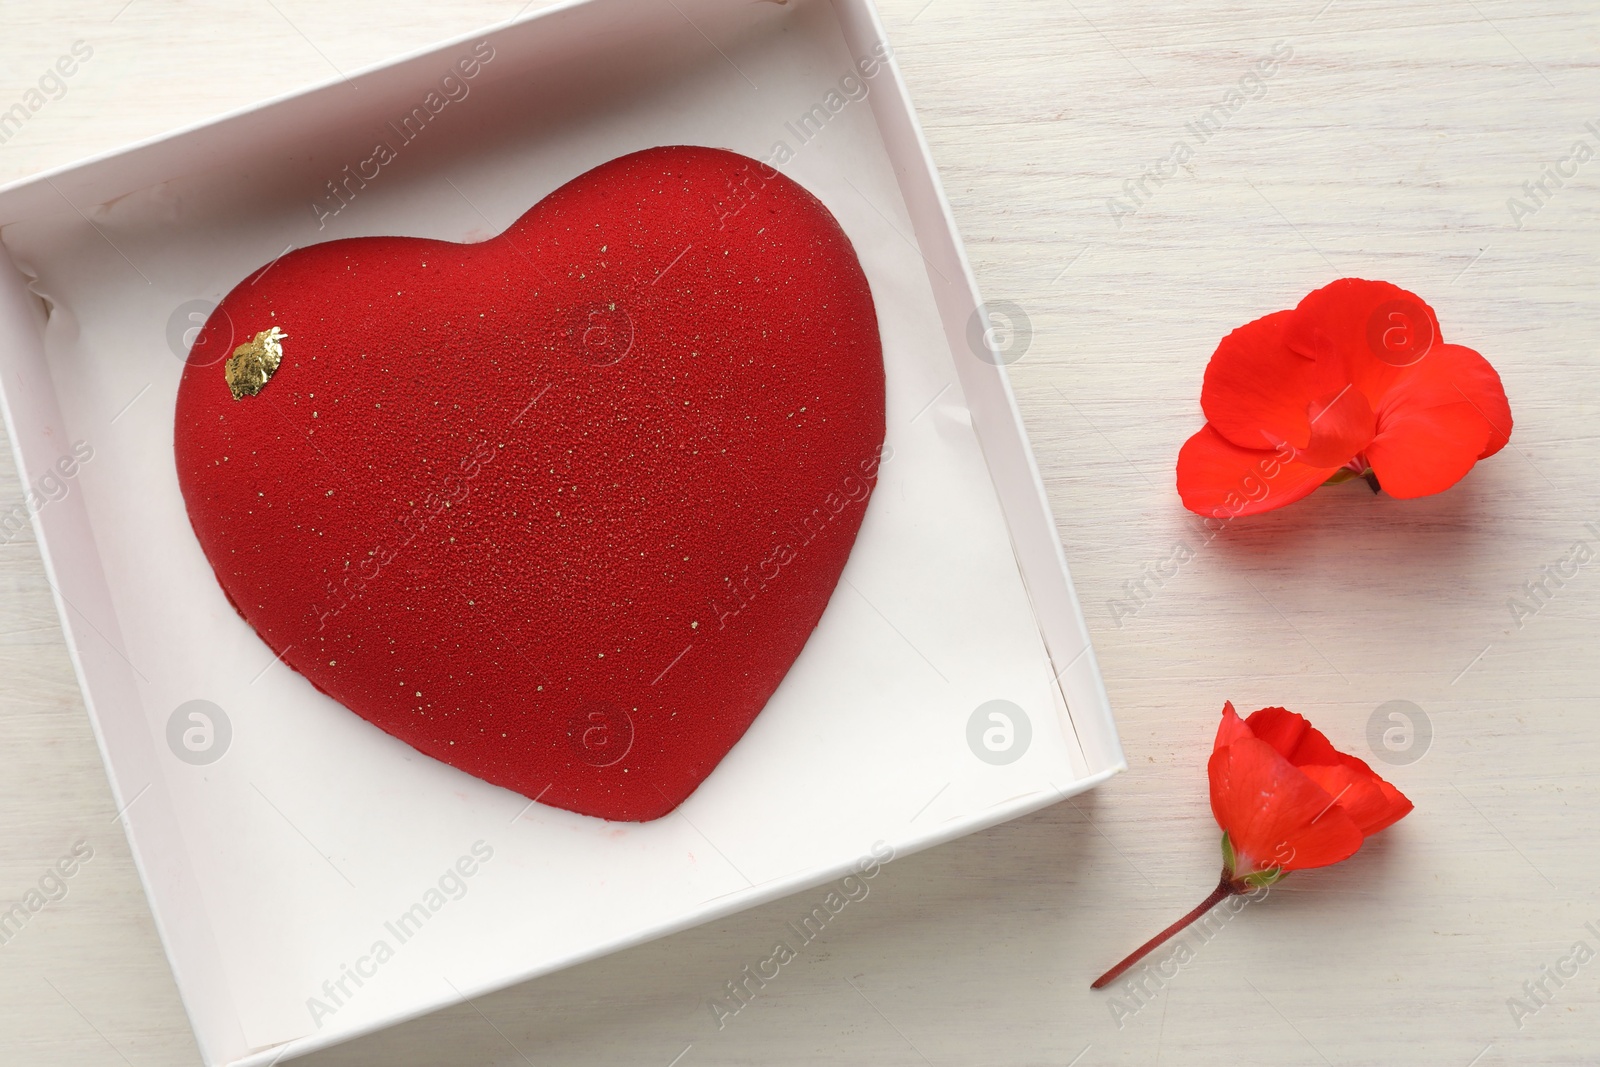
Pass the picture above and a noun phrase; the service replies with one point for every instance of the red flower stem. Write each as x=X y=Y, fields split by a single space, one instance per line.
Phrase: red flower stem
x=1225 y=888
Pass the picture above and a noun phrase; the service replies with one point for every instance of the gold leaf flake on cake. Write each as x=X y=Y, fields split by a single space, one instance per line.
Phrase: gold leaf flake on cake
x=254 y=363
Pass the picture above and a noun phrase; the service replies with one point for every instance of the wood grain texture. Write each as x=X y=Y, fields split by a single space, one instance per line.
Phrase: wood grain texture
x=1387 y=146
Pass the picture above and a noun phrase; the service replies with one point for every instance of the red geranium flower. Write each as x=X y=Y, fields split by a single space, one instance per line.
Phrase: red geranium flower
x=1286 y=800
x=1354 y=382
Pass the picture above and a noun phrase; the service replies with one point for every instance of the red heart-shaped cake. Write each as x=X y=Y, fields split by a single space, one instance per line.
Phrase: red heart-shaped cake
x=561 y=508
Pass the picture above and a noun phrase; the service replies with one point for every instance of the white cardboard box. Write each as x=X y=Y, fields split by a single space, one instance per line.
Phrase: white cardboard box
x=281 y=866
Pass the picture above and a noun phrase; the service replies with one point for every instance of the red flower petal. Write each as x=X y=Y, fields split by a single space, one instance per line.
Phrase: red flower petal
x=1295 y=739
x=1274 y=814
x=1479 y=384
x=1372 y=803
x=1231 y=728
x=1436 y=421
x=1257 y=390
x=1218 y=478
x=1341 y=425
x=1364 y=332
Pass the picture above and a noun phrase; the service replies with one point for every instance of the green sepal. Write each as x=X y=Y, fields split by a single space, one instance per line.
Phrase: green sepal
x=1262 y=879
x=1228 y=858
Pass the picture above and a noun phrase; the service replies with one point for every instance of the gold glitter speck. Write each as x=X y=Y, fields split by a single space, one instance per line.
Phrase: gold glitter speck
x=252 y=364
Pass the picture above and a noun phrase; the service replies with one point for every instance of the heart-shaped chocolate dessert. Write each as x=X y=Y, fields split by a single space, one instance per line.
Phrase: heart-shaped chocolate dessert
x=561 y=508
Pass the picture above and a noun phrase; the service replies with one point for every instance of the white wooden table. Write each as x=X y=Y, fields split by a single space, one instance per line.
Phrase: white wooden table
x=1387 y=146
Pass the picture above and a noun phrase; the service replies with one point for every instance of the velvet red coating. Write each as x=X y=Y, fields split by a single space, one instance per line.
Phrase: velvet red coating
x=1354 y=381
x=1288 y=799
x=560 y=508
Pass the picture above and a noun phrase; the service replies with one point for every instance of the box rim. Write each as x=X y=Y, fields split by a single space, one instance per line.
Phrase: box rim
x=10 y=190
